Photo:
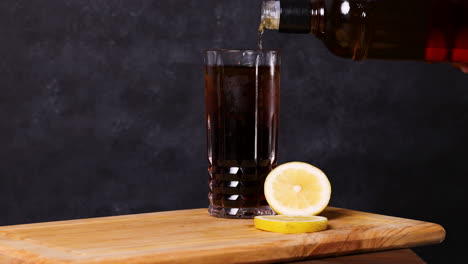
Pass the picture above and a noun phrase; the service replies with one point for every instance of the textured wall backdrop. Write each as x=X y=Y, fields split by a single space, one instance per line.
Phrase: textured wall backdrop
x=102 y=113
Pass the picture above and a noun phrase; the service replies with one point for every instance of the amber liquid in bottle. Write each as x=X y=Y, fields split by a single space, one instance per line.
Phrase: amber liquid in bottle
x=430 y=30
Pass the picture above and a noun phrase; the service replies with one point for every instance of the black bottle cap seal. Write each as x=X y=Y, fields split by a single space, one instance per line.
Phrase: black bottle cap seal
x=295 y=16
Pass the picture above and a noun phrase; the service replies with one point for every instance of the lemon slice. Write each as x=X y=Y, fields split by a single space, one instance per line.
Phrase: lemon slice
x=291 y=224
x=297 y=189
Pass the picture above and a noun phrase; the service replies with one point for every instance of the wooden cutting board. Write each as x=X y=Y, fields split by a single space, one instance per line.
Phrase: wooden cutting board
x=192 y=236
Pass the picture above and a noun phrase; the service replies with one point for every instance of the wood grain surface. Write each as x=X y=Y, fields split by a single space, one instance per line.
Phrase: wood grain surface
x=194 y=236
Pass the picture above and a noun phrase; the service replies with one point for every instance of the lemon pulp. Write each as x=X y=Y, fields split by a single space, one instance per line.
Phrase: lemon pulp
x=297 y=189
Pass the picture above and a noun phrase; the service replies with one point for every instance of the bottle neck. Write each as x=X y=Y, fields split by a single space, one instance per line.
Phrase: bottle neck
x=294 y=16
x=271 y=14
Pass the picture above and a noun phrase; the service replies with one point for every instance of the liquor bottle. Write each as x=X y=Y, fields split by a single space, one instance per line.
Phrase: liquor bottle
x=430 y=30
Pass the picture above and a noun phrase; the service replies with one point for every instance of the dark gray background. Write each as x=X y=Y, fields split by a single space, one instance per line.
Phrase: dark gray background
x=102 y=113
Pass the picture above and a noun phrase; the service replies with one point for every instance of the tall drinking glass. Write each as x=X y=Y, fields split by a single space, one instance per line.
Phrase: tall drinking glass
x=242 y=108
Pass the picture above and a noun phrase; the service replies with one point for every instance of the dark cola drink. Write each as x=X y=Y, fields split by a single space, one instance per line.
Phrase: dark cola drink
x=242 y=107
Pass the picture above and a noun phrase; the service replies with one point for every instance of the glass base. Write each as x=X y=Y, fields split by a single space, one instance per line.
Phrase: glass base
x=239 y=213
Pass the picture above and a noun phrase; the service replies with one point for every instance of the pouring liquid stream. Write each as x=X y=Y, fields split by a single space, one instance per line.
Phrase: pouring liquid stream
x=261 y=31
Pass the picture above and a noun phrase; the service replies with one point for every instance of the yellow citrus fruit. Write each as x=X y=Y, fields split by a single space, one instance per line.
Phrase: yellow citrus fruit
x=297 y=189
x=291 y=224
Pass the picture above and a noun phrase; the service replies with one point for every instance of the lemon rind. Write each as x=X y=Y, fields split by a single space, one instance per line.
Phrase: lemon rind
x=291 y=227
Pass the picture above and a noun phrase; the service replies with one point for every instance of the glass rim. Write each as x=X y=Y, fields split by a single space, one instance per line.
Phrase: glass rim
x=258 y=51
